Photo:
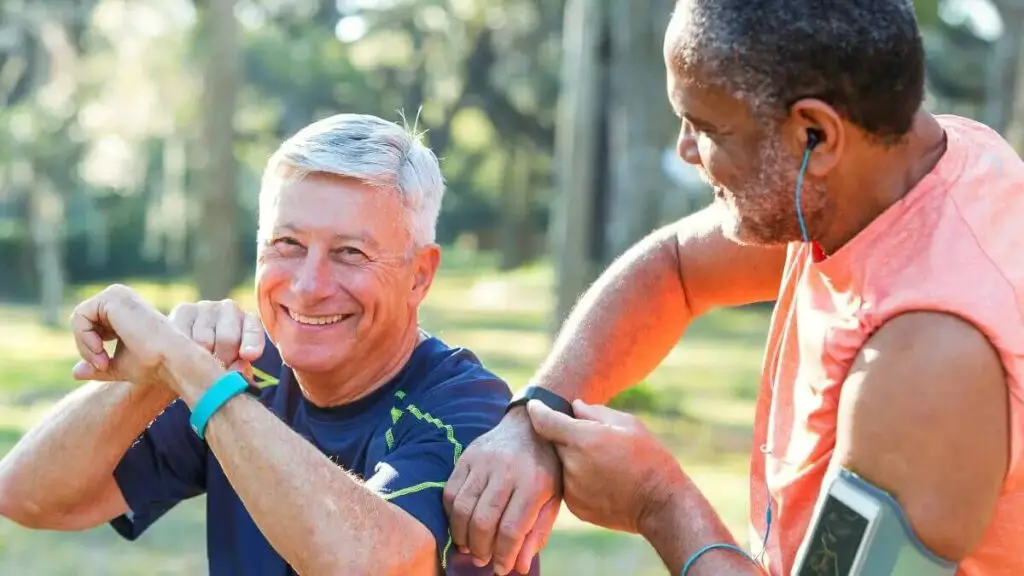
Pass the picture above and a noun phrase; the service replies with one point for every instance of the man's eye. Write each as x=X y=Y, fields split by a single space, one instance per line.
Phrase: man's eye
x=349 y=252
x=287 y=244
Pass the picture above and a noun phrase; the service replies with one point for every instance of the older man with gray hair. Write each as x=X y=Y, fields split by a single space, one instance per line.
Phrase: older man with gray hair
x=336 y=464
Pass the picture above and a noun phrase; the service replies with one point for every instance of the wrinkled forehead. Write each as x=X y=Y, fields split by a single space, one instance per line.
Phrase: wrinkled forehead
x=330 y=204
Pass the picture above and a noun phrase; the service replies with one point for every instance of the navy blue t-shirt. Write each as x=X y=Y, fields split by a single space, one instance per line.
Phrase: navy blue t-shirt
x=404 y=439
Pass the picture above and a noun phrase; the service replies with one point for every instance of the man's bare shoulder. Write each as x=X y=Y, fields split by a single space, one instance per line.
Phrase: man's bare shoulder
x=718 y=271
x=924 y=415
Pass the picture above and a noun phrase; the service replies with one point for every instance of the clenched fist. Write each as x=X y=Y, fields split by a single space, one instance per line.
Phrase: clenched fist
x=234 y=336
x=143 y=337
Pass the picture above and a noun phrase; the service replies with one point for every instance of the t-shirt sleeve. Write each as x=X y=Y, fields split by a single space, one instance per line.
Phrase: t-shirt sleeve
x=165 y=465
x=427 y=436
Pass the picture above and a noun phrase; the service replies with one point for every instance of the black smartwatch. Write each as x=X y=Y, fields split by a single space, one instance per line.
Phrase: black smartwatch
x=549 y=398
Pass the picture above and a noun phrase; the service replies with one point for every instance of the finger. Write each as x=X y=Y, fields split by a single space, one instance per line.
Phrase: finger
x=538 y=536
x=244 y=367
x=253 y=338
x=451 y=492
x=84 y=371
x=227 y=337
x=183 y=317
x=454 y=484
x=204 y=328
x=520 y=515
x=602 y=414
x=550 y=425
x=486 y=516
x=463 y=506
x=86 y=328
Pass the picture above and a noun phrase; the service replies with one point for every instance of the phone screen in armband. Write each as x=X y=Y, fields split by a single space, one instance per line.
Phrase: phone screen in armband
x=859 y=530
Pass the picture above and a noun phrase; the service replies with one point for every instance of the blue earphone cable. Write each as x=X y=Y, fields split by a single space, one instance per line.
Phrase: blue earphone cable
x=756 y=560
x=799 y=190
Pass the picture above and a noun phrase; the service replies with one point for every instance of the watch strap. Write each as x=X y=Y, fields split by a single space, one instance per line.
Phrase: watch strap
x=549 y=398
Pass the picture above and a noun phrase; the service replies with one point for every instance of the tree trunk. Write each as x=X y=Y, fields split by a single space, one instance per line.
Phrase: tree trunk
x=1013 y=27
x=576 y=148
x=640 y=122
x=510 y=244
x=1001 y=75
x=216 y=249
x=46 y=219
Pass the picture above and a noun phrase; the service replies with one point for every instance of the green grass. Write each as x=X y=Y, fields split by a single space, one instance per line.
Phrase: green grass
x=699 y=402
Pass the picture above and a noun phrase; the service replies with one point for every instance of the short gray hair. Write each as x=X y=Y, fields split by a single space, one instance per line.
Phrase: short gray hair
x=865 y=58
x=374 y=151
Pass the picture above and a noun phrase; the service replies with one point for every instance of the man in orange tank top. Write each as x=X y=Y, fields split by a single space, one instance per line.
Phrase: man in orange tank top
x=889 y=239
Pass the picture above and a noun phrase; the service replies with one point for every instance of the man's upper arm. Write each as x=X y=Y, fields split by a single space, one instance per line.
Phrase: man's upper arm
x=427 y=438
x=167 y=464
x=923 y=414
x=718 y=271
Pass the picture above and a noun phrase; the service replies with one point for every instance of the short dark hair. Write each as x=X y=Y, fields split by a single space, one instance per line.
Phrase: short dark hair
x=865 y=58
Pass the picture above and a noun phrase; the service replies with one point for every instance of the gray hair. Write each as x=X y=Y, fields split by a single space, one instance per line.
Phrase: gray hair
x=372 y=150
x=865 y=58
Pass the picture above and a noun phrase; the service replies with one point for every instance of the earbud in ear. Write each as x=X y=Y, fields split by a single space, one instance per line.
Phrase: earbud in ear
x=814 y=137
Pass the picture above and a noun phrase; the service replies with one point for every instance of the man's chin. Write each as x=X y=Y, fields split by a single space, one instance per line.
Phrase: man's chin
x=743 y=233
x=312 y=361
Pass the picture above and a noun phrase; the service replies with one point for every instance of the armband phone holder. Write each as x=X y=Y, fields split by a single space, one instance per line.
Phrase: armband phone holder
x=860 y=530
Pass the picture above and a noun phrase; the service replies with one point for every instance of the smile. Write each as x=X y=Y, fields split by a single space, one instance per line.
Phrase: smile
x=317 y=320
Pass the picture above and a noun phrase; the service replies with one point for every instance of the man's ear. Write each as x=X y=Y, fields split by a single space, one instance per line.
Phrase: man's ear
x=425 y=264
x=812 y=116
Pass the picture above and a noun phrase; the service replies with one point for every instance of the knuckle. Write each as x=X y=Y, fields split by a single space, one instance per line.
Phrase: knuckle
x=226 y=338
x=509 y=529
x=203 y=338
x=483 y=521
x=180 y=310
x=463 y=508
x=476 y=482
x=449 y=493
x=228 y=305
x=118 y=292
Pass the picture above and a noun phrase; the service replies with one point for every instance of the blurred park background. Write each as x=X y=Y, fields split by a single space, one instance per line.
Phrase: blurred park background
x=133 y=134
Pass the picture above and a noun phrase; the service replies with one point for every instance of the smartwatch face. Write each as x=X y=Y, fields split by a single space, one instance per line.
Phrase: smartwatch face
x=837 y=538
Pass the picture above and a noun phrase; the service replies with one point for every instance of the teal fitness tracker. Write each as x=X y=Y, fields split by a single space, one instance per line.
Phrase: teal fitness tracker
x=225 y=388
x=549 y=398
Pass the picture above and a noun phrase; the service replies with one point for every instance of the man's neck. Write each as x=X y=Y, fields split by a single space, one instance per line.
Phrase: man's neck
x=893 y=173
x=360 y=378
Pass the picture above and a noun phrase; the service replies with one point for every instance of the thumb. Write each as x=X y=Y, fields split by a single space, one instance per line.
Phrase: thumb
x=550 y=425
x=244 y=367
x=85 y=371
x=600 y=413
x=253 y=338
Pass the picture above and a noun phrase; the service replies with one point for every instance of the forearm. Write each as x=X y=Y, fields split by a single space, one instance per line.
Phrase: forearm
x=68 y=459
x=623 y=326
x=304 y=503
x=682 y=524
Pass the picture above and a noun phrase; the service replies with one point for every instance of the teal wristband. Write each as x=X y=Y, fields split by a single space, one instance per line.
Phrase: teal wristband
x=225 y=388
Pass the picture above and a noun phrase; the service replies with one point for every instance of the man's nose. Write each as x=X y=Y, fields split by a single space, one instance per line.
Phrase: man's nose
x=686 y=146
x=313 y=279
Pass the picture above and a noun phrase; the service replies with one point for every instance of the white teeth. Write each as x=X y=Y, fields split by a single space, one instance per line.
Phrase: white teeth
x=316 y=320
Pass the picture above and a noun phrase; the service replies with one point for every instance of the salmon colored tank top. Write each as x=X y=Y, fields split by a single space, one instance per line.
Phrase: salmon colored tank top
x=955 y=243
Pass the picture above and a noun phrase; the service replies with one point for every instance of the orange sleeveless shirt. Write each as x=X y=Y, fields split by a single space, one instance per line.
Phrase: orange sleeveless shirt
x=955 y=243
